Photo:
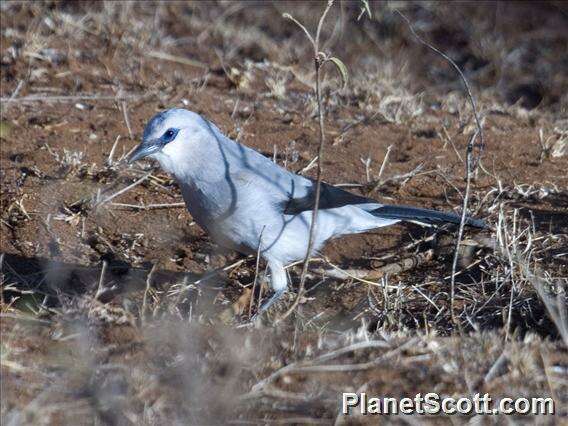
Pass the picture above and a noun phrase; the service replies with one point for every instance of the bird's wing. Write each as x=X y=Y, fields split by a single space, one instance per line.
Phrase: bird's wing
x=331 y=197
x=292 y=193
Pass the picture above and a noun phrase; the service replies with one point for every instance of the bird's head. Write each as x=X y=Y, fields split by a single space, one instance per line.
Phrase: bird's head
x=167 y=137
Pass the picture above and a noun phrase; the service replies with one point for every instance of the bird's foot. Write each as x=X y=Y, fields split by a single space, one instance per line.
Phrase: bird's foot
x=266 y=304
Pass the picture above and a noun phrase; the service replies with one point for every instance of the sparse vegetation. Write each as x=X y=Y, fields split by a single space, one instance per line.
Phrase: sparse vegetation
x=116 y=308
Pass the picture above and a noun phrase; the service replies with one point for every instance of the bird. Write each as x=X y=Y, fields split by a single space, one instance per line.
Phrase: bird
x=248 y=203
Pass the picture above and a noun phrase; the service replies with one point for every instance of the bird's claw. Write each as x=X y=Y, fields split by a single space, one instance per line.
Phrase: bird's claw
x=265 y=305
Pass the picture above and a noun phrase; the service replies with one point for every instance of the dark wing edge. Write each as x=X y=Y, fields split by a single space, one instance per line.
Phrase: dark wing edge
x=331 y=197
x=417 y=214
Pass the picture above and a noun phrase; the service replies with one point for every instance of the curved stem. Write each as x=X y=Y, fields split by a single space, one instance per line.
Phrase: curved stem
x=320 y=26
x=318 y=62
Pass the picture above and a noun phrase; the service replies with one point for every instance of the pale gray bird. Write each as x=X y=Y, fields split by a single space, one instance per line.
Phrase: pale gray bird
x=248 y=203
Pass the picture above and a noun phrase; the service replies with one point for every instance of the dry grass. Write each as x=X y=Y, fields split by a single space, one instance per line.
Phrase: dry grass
x=119 y=344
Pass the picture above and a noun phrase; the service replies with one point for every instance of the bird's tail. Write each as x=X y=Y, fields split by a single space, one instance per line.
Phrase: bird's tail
x=426 y=216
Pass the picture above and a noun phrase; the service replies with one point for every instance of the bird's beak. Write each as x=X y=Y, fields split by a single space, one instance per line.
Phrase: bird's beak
x=143 y=150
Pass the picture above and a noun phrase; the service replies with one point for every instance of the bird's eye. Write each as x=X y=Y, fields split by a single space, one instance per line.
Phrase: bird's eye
x=169 y=135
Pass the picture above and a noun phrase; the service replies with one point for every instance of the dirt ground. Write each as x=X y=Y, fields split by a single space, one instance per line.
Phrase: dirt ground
x=123 y=311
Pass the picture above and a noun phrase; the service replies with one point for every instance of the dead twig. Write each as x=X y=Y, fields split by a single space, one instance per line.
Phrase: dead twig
x=356 y=123
x=146 y=292
x=376 y=184
x=320 y=59
x=25 y=318
x=471 y=163
x=63 y=99
x=497 y=368
x=385 y=160
x=15 y=92
x=123 y=190
x=180 y=60
x=373 y=344
x=149 y=206
x=255 y=273
x=100 y=287
x=127 y=119
x=364 y=275
x=109 y=161
x=462 y=222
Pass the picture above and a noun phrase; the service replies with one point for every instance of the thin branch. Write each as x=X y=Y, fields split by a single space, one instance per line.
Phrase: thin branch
x=372 y=344
x=19 y=87
x=470 y=164
x=149 y=206
x=354 y=124
x=375 y=185
x=462 y=76
x=180 y=60
x=146 y=291
x=319 y=60
x=393 y=268
x=109 y=161
x=40 y=98
x=255 y=273
x=100 y=287
x=16 y=91
x=320 y=26
x=123 y=190
x=127 y=120
x=27 y=318
x=496 y=368
x=385 y=160
x=291 y=18
x=309 y=166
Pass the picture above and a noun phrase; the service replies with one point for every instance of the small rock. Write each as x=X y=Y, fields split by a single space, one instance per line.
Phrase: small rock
x=244 y=112
x=83 y=107
x=425 y=133
x=54 y=56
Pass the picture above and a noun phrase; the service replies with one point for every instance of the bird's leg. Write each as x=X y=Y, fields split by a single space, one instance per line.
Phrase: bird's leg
x=278 y=283
x=267 y=303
